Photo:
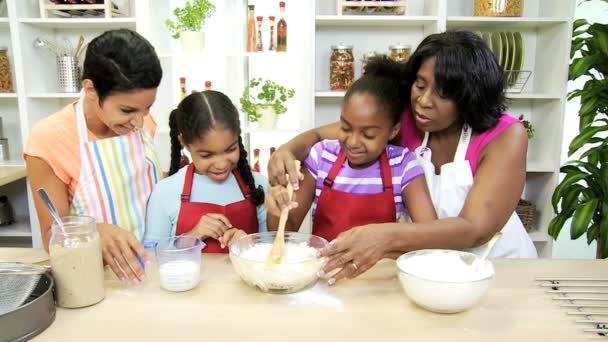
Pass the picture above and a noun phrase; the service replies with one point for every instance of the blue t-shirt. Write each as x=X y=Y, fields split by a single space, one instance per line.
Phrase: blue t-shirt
x=165 y=202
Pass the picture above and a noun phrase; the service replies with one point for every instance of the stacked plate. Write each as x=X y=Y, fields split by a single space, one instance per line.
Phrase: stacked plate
x=509 y=49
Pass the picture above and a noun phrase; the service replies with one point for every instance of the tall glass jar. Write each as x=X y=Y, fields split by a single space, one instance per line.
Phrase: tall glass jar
x=400 y=52
x=76 y=262
x=6 y=78
x=499 y=8
x=342 y=67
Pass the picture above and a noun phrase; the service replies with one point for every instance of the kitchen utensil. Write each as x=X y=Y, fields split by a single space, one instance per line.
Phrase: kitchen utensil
x=505 y=50
x=476 y=262
x=439 y=281
x=33 y=316
x=297 y=270
x=17 y=281
x=592 y=307
x=497 y=47
x=51 y=207
x=46 y=44
x=78 y=46
x=277 y=251
x=179 y=263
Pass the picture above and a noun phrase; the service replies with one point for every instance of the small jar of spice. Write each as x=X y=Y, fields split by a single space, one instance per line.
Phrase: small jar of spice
x=342 y=67
x=400 y=52
x=6 y=78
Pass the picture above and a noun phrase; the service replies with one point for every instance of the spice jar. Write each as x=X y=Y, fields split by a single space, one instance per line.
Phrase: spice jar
x=342 y=67
x=498 y=8
x=366 y=57
x=6 y=79
x=76 y=261
x=400 y=52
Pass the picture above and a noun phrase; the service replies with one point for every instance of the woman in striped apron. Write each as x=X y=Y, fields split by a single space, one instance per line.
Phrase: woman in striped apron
x=96 y=157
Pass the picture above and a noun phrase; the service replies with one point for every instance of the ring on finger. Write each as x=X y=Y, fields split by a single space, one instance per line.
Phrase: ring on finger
x=354 y=266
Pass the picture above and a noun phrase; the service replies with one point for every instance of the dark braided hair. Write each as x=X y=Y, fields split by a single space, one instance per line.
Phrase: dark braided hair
x=197 y=114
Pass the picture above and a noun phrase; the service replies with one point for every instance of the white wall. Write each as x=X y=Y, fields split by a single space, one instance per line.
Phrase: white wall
x=564 y=247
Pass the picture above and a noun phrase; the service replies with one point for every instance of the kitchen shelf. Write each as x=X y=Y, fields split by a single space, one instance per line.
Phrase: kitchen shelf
x=9 y=174
x=503 y=22
x=533 y=96
x=536 y=167
x=375 y=21
x=330 y=94
x=21 y=228
x=53 y=95
x=8 y=95
x=92 y=23
x=538 y=236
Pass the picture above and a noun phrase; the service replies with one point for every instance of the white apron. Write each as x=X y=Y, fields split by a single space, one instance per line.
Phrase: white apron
x=117 y=175
x=450 y=189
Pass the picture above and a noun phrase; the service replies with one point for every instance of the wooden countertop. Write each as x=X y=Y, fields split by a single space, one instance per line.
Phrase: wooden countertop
x=372 y=307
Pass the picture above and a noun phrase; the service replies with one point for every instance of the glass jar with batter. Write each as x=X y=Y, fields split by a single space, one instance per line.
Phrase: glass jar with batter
x=76 y=262
x=341 y=67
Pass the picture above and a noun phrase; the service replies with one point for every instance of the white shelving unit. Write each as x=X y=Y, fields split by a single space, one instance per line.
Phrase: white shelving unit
x=313 y=26
x=546 y=30
x=36 y=96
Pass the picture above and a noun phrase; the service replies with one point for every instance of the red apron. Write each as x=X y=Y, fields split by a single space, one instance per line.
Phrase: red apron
x=339 y=211
x=242 y=214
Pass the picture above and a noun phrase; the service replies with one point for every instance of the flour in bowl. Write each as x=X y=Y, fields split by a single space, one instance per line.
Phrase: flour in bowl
x=293 y=252
x=297 y=270
x=445 y=266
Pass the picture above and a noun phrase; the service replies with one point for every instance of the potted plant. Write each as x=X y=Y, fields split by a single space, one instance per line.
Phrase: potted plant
x=264 y=100
x=190 y=19
x=583 y=193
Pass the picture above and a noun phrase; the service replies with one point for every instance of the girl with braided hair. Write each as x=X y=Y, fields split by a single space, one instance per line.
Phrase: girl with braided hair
x=217 y=197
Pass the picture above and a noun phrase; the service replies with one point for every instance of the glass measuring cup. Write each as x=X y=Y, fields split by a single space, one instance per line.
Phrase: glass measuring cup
x=179 y=263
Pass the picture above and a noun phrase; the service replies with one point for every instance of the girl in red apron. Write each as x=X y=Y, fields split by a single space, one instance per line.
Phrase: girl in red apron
x=217 y=197
x=360 y=178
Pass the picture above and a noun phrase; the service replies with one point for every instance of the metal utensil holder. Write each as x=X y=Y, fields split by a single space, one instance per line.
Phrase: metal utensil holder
x=68 y=74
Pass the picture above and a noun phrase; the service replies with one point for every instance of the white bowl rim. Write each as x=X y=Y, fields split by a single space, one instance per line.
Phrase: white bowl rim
x=409 y=254
x=272 y=233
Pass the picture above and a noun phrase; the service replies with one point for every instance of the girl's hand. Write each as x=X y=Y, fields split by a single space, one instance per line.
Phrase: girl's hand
x=282 y=163
x=355 y=251
x=211 y=226
x=277 y=199
x=120 y=249
x=231 y=235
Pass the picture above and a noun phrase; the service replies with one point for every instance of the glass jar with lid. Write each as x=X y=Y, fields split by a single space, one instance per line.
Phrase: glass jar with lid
x=366 y=57
x=77 y=263
x=341 y=67
x=6 y=78
x=400 y=52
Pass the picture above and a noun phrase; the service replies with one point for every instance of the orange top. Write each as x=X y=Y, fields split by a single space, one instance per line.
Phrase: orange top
x=54 y=139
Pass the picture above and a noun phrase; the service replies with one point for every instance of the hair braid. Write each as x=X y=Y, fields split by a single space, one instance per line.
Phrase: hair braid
x=257 y=193
x=176 y=146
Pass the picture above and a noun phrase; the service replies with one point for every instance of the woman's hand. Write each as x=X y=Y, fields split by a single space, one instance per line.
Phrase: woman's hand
x=355 y=251
x=120 y=250
x=277 y=199
x=231 y=235
x=211 y=226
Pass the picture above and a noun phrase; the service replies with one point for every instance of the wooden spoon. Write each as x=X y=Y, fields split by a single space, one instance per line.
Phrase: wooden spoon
x=278 y=246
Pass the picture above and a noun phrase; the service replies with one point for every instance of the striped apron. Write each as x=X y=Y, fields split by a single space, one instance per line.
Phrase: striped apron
x=117 y=175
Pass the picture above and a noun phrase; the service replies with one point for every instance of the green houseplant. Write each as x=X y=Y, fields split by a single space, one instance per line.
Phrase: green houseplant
x=583 y=193
x=189 y=20
x=264 y=100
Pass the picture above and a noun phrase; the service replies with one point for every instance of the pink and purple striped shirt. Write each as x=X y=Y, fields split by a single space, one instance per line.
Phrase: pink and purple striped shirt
x=403 y=164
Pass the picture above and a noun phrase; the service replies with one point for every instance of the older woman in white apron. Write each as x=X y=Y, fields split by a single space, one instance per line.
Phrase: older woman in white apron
x=474 y=157
x=96 y=157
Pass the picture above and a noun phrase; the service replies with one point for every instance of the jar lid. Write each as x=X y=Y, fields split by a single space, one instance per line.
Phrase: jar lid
x=400 y=46
x=3 y=47
x=370 y=54
x=341 y=46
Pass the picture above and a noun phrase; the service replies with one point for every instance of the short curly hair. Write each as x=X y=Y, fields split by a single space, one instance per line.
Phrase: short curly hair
x=467 y=72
